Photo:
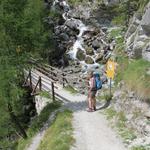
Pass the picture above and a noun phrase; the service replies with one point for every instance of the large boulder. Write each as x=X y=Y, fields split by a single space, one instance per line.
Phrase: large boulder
x=145 y=23
x=96 y=44
x=99 y=57
x=146 y=52
x=80 y=55
x=138 y=35
x=89 y=60
x=64 y=37
x=73 y=24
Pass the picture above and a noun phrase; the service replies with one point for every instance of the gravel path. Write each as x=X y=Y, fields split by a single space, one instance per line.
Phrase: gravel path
x=91 y=129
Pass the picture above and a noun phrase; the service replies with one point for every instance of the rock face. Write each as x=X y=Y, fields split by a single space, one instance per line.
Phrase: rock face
x=41 y=102
x=138 y=36
x=136 y=112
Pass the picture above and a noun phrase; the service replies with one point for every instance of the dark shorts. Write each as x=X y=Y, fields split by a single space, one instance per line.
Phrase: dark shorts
x=93 y=93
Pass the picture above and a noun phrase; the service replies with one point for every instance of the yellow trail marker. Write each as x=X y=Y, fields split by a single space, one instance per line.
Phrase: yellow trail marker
x=110 y=69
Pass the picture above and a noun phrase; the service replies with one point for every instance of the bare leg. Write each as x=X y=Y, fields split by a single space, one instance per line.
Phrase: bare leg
x=94 y=103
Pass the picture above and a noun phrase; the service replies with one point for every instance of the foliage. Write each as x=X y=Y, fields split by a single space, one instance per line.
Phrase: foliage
x=142 y=4
x=37 y=124
x=45 y=94
x=71 y=89
x=121 y=124
x=59 y=135
x=135 y=75
x=23 y=32
x=142 y=147
x=110 y=113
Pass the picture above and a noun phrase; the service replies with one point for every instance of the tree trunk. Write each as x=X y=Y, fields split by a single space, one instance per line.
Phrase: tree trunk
x=16 y=121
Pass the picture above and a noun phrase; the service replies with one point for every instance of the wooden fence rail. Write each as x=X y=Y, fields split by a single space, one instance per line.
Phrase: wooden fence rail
x=43 y=77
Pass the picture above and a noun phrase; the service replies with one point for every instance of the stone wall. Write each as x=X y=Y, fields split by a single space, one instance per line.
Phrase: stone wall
x=138 y=35
x=40 y=103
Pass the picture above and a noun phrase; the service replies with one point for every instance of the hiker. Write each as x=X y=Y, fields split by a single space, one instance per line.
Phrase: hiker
x=91 y=93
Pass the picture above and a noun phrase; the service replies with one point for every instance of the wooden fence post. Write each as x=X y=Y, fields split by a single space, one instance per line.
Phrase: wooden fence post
x=40 y=83
x=53 y=92
x=63 y=80
x=30 y=77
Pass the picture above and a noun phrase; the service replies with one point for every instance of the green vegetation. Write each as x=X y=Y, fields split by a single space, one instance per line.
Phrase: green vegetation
x=37 y=124
x=120 y=123
x=145 y=147
x=126 y=133
x=110 y=113
x=23 y=34
x=45 y=94
x=142 y=4
x=59 y=135
x=134 y=73
x=71 y=89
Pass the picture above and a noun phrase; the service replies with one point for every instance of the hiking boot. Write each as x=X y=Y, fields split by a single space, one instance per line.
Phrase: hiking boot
x=90 y=110
x=94 y=108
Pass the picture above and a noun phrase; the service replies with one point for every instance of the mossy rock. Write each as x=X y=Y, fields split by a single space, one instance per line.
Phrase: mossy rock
x=89 y=60
x=89 y=51
x=80 y=55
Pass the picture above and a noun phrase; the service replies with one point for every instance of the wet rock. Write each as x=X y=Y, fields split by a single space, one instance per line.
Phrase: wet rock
x=96 y=44
x=89 y=60
x=73 y=24
x=64 y=37
x=80 y=55
x=89 y=51
x=92 y=32
x=99 y=57
x=99 y=50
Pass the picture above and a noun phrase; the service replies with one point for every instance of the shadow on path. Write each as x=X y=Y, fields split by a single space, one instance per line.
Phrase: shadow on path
x=105 y=105
x=82 y=105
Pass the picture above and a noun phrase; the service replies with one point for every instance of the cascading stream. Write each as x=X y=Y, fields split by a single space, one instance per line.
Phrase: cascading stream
x=78 y=44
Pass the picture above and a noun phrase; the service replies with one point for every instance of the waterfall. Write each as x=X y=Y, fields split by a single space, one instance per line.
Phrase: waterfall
x=78 y=44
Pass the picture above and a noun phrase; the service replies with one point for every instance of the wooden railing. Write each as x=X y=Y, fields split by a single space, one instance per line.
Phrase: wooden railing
x=45 y=78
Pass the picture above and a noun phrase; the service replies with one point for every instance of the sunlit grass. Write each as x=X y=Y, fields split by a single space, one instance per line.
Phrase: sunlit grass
x=59 y=135
x=37 y=124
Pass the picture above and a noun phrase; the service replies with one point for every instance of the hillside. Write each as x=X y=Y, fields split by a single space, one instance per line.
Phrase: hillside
x=76 y=36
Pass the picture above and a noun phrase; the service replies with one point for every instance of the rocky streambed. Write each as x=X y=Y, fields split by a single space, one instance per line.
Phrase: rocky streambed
x=83 y=46
x=86 y=44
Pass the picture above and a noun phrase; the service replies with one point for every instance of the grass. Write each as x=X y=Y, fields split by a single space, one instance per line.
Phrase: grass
x=142 y=5
x=59 y=135
x=135 y=76
x=120 y=123
x=45 y=94
x=37 y=124
x=71 y=89
x=142 y=147
x=126 y=133
x=110 y=113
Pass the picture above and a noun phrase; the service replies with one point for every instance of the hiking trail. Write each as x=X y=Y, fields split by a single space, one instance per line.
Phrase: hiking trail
x=91 y=129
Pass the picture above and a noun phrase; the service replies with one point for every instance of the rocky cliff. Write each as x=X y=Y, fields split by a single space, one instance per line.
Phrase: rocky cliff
x=138 y=35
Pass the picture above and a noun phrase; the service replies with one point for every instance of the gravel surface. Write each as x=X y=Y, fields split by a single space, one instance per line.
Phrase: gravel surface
x=91 y=129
